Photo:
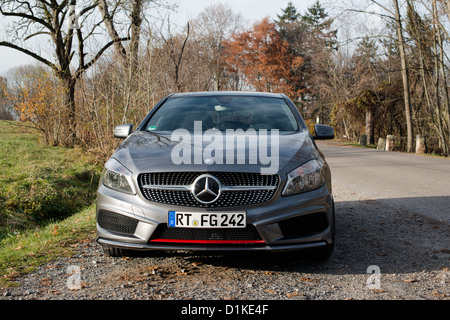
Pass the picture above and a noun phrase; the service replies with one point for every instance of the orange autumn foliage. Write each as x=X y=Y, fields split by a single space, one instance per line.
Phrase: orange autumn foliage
x=35 y=91
x=38 y=101
x=264 y=59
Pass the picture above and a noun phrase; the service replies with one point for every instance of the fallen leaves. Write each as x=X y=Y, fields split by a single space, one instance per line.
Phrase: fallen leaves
x=152 y=268
x=293 y=294
x=309 y=279
x=12 y=275
x=54 y=231
x=269 y=291
x=46 y=282
x=54 y=292
x=437 y=294
x=196 y=264
x=410 y=280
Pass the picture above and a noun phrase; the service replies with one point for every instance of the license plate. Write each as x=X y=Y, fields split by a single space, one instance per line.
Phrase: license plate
x=207 y=220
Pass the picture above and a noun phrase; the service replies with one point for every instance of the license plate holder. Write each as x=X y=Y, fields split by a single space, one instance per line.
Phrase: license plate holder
x=178 y=219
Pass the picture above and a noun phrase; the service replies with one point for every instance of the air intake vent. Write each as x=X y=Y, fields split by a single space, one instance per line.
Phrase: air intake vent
x=304 y=225
x=206 y=235
x=116 y=222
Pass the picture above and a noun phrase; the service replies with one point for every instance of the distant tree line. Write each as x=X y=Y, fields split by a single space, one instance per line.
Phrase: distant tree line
x=113 y=60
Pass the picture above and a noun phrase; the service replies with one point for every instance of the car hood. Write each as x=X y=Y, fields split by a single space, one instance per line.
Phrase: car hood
x=150 y=152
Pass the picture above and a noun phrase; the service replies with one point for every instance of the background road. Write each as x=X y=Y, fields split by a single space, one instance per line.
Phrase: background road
x=415 y=183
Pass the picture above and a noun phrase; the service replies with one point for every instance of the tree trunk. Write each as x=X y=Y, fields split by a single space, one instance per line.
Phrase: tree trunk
x=108 y=21
x=405 y=77
x=136 y=21
x=448 y=9
x=437 y=65
x=433 y=111
x=443 y=74
x=370 y=126
x=69 y=104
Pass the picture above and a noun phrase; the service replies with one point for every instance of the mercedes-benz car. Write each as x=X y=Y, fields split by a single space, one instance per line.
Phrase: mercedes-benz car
x=218 y=171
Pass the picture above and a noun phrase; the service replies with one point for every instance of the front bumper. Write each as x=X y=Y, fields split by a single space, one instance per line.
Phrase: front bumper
x=289 y=223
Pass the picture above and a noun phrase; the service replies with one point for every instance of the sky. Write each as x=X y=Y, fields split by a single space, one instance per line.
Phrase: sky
x=252 y=10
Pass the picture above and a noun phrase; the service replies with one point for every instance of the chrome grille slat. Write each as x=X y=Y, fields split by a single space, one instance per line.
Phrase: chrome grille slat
x=238 y=189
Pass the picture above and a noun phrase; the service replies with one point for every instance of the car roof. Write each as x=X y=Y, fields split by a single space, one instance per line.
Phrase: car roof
x=229 y=93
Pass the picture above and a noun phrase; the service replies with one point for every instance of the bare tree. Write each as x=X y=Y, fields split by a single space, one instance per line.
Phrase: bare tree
x=65 y=22
x=212 y=27
x=175 y=47
x=405 y=76
x=448 y=8
x=111 y=12
x=440 y=72
x=394 y=15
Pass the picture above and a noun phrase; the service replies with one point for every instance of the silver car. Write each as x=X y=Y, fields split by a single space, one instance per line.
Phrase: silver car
x=218 y=171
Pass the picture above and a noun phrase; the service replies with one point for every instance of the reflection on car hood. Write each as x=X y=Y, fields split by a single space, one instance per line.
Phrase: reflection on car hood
x=150 y=152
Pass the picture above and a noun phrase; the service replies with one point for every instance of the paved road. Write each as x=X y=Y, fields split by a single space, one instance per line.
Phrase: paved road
x=405 y=181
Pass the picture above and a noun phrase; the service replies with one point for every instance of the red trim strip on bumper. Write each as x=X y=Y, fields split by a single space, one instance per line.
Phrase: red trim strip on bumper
x=208 y=241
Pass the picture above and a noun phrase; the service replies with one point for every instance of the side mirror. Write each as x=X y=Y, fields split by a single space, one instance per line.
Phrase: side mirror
x=123 y=131
x=323 y=132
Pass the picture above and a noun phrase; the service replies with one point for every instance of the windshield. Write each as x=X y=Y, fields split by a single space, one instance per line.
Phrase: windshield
x=222 y=113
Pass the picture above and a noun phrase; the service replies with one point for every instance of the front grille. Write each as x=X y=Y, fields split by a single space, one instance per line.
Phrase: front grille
x=228 y=198
x=206 y=234
x=116 y=222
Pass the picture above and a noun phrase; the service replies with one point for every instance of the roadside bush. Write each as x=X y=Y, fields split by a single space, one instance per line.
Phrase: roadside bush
x=37 y=99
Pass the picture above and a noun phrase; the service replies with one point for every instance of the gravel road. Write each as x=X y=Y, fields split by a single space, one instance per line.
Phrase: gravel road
x=382 y=252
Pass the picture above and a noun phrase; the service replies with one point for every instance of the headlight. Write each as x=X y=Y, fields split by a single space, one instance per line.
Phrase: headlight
x=117 y=177
x=308 y=177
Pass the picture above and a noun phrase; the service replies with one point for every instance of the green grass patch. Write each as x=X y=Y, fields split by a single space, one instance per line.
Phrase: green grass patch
x=46 y=199
x=40 y=183
x=24 y=251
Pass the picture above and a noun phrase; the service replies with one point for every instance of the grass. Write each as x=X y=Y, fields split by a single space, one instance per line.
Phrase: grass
x=24 y=251
x=46 y=199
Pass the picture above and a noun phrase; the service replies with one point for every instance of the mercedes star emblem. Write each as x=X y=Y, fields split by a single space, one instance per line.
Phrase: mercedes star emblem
x=206 y=189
